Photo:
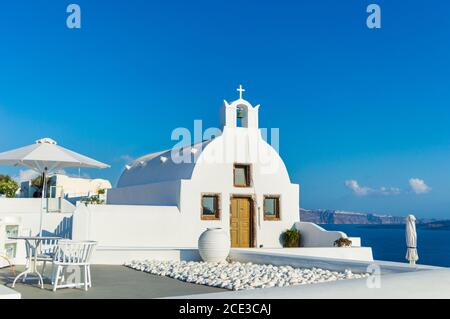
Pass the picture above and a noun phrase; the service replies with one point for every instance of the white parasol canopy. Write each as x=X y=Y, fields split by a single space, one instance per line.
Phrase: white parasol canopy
x=411 y=240
x=47 y=154
x=46 y=157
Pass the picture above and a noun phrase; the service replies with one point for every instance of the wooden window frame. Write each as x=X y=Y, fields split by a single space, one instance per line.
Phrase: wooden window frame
x=248 y=172
x=218 y=210
x=277 y=216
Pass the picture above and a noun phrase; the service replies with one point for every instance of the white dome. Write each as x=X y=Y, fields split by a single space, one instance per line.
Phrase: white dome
x=161 y=166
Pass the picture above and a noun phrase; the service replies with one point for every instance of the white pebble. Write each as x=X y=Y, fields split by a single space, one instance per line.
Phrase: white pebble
x=240 y=276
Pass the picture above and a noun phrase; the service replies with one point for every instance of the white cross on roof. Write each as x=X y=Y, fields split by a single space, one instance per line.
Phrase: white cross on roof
x=240 y=90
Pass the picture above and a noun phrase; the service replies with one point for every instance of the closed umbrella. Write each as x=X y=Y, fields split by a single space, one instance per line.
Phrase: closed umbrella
x=411 y=240
x=46 y=157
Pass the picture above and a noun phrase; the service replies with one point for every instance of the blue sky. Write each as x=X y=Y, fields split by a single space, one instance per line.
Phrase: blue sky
x=351 y=103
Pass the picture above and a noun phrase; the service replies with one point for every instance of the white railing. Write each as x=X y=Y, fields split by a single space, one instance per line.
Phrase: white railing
x=312 y=235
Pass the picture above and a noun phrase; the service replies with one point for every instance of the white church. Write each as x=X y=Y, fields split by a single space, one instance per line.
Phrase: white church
x=164 y=201
x=235 y=181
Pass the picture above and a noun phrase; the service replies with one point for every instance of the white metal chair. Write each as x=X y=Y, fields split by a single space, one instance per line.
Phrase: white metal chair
x=73 y=254
x=46 y=252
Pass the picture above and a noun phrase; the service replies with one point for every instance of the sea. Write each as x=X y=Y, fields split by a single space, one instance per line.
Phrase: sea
x=388 y=242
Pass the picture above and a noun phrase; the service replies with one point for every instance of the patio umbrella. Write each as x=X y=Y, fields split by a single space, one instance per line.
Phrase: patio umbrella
x=411 y=240
x=46 y=157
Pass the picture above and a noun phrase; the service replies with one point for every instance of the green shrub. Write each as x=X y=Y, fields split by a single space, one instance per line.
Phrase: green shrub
x=93 y=200
x=8 y=186
x=291 y=238
x=343 y=242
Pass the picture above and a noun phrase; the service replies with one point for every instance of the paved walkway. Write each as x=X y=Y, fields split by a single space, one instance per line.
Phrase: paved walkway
x=111 y=282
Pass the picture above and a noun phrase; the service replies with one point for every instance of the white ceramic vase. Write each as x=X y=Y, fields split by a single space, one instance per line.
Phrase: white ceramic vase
x=214 y=245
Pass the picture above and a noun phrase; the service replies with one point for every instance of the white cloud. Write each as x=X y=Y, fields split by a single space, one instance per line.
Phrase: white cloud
x=390 y=190
x=360 y=191
x=419 y=186
x=365 y=191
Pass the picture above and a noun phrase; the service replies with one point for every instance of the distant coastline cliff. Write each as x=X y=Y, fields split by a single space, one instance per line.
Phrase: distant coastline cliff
x=327 y=216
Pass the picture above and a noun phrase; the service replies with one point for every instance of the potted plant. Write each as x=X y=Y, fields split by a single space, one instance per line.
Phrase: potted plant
x=343 y=242
x=291 y=238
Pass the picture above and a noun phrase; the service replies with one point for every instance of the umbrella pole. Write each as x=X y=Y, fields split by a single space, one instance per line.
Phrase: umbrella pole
x=42 y=202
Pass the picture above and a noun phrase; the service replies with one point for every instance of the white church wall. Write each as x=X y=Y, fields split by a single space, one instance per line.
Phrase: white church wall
x=267 y=232
x=161 y=194
x=214 y=174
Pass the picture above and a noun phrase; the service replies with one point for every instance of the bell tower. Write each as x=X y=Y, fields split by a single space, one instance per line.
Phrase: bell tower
x=240 y=113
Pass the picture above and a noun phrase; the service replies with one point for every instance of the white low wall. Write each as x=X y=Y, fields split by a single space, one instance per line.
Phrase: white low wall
x=28 y=211
x=356 y=241
x=105 y=255
x=313 y=235
x=132 y=226
x=28 y=205
x=126 y=232
x=351 y=253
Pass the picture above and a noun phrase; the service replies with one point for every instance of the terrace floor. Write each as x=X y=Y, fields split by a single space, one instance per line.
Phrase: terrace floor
x=109 y=282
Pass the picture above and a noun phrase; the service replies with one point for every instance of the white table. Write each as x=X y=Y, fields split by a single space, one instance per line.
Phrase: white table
x=33 y=245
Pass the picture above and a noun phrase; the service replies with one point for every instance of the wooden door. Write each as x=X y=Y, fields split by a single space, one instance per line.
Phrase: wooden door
x=240 y=222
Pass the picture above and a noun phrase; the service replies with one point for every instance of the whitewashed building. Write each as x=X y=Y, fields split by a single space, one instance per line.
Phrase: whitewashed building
x=69 y=187
x=236 y=181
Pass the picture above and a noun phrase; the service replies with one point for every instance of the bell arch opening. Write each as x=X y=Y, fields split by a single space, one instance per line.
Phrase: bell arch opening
x=242 y=115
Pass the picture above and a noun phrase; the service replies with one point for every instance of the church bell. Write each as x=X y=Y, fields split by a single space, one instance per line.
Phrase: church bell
x=240 y=112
